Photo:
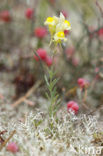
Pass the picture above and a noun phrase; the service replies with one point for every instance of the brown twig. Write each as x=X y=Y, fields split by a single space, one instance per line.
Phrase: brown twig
x=6 y=141
x=22 y=99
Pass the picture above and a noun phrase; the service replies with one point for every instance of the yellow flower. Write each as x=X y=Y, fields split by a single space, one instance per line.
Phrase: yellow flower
x=56 y=26
x=59 y=36
x=51 y=21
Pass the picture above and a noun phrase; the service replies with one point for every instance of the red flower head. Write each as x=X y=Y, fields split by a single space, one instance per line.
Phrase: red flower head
x=48 y=61
x=82 y=83
x=66 y=32
x=40 y=32
x=41 y=53
x=29 y=13
x=12 y=147
x=5 y=16
x=73 y=106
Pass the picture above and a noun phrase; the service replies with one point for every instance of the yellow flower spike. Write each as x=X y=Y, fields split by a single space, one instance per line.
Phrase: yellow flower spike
x=59 y=36
x=56 y=26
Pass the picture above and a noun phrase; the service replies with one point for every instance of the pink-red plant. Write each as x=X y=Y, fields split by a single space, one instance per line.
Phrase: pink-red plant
x=40 y=32
x=48 y=61
x=5 y=16
x=29 y=13
x=66 y=32
x=73 y=106
x=83 y=83
x=12 y=147
x=41 y=54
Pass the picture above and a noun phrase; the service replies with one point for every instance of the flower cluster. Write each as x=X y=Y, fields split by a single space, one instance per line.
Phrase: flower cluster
x=73 y=106
x=29 y=13
x=12 y=147
x=40 y=32
x=83 y=83
x=5 y=16
x=57 y=26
